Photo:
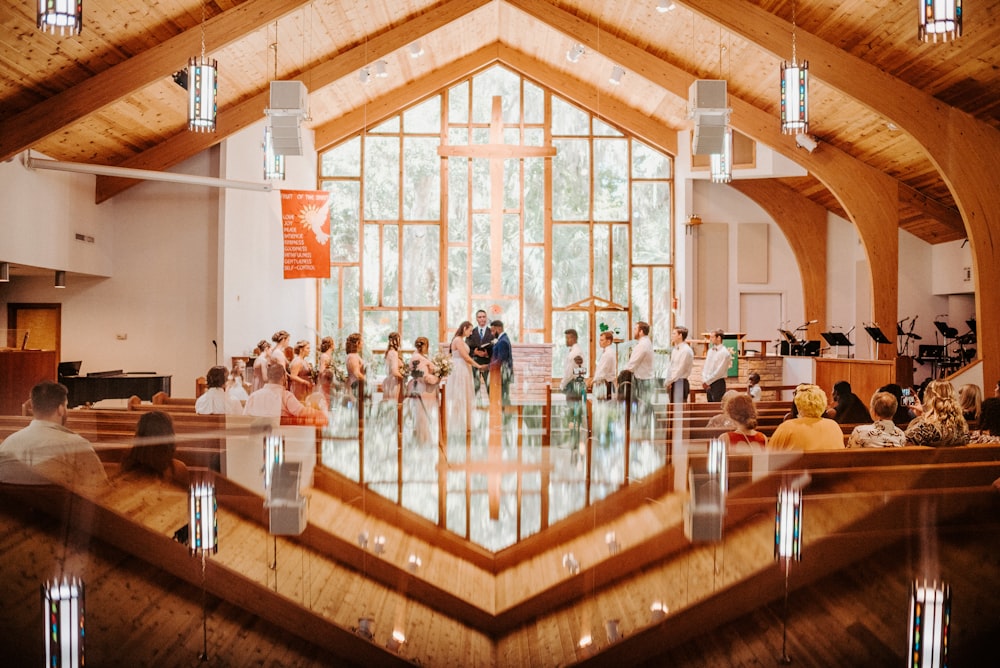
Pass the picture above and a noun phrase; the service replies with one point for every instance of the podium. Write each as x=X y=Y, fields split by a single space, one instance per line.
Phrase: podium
x=837 y=339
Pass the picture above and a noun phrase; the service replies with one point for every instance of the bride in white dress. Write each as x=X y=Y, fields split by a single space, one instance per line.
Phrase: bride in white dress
x=460 y=393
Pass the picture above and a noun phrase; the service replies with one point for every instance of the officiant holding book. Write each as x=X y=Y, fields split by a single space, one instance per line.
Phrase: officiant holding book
x=480 y=345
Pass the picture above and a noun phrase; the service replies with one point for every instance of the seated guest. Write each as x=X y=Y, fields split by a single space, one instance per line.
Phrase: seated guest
x=847 y=406
x=722 y=420
x=753 y=385
x=273 y=400
x=809 y=431
x=46 y=451
x=989 y=422
x=970 y=397
x=941 y=424
x=883 y=433
x=153 y=450
x=215 y=401
x=742 y=415
x=903 y=413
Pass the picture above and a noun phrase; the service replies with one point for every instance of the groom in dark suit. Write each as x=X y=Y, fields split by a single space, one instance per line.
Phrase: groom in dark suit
x=480 y=342
x=502 y=358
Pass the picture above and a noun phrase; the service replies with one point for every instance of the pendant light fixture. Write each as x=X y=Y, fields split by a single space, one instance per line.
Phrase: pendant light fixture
x=60 y=16
x=794 y=91
x=203 y=88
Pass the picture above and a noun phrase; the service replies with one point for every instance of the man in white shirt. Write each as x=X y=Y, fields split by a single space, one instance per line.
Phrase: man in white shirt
x=45 y=451
x=569 y=368
x=607 y=368
x=681 y=360
x=713 y=373
x=273 y=400
x=215 y=400
x=640 y=363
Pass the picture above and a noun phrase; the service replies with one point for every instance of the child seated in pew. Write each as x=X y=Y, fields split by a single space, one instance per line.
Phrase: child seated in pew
x=753 y=386
x=153 y=448
x=883 y=432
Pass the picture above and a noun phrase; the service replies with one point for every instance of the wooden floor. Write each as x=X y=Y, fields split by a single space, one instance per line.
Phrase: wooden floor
x=871 y=529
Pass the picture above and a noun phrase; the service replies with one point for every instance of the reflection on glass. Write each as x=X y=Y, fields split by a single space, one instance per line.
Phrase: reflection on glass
x=650 y=222
x=610 y=179
x=421 y=247
x=424 y=118
x=390 y=265
x=345 y=208
x=511 y=255
x=458 y=290
x=482 y=258
x=458 y=199
x=381 y=178
x=570 y=193
x=421 y=178
x=372 y=256
x=570 y=264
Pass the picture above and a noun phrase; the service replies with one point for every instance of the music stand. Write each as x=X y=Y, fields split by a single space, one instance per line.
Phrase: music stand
x=947 y=331
x=837 y=339
x=877 y=334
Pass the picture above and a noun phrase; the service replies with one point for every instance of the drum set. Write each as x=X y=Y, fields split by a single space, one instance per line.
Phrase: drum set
x=950 y=350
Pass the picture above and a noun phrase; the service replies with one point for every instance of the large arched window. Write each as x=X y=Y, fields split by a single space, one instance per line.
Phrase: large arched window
x=497 y=194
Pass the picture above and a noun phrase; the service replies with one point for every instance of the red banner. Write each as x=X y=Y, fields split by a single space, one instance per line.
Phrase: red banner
x=305 y=224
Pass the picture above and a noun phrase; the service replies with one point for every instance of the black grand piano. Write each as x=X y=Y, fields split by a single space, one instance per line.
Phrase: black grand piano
x=117 y=384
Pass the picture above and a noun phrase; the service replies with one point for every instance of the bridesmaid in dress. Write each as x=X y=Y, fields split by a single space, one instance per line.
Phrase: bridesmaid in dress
x=325 y=354
x=461 y=397
x=355 y=366
x=393 y=372
x=300 y=371
x=260 y=365
x=424 y=392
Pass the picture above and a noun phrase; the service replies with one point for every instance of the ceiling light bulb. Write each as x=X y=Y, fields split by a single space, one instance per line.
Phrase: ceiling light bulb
x=380 y=70
x=617 y=72
x=665 y=6
x=416 y=50
x=364 y=75
x=573 y=55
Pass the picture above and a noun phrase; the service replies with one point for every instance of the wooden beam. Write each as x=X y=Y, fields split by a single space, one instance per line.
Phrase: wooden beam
x=53 y=114
x=960 y=146
x=185 y=144
x=912 y=198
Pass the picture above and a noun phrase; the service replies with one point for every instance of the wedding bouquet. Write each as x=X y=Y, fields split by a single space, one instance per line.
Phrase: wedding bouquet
x=411 y=369
x=442 y=364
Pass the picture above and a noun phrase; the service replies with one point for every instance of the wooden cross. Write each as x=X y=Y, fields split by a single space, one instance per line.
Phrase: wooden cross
x=496 y=151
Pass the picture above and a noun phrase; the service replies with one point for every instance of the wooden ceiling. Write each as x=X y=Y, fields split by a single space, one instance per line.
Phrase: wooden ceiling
x=107 y=96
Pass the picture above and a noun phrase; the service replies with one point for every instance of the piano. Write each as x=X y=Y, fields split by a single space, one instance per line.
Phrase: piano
x=93 y=387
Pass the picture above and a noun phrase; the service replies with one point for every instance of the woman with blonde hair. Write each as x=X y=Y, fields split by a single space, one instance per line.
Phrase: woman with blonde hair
x=810 y=430
x=971 y=398
x=942 y=423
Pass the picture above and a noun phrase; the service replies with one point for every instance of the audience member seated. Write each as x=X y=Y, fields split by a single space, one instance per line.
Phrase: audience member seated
x=847 y=406
x=970 y=397
x=809 y=431
x=722 y=420
x=46 y=451
x=153 y=449
x=273 y=400
x=215 y=401
x=941 y=424
x=883 y=433
x=989 y=422
x=903 y=413
x=742 y=413
x=753 y=386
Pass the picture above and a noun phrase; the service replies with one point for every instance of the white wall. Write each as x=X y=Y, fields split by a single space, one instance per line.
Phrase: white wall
x=256 y=300
x=161 y=292
x=43 y=211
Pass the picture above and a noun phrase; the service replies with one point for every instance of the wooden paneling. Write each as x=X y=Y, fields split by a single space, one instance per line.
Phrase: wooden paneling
x=865 y=376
